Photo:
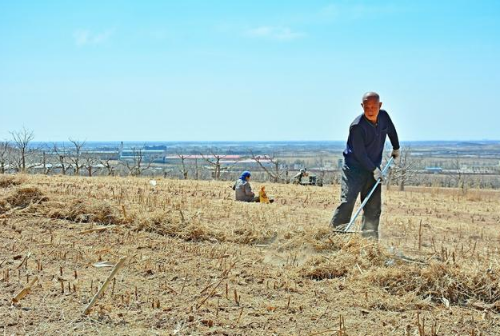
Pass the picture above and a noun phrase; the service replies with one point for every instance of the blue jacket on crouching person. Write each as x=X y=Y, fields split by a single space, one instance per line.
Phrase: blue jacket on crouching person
x=243 y=190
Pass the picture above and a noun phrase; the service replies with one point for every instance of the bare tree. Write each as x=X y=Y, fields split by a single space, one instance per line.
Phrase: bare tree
x=46 y=167
x=183 y=169
x=90 y=162
x=214 y=161
x=5 y=150
x=108 y=163
x=22 y=140
x=42 y=159
x=137 y=165
x=62 y=157
x=76 y=157
x=110 y=168
x=196 y=169
x=404 y=170
x=459 y=176
x=275 y=173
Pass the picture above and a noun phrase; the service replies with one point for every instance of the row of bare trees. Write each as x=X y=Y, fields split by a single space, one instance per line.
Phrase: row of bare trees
x=274 y=168
x=14 y=154
x=19 y=155
x=137 y=165
x=404 y=171
x=78 y=159
x=276 y=173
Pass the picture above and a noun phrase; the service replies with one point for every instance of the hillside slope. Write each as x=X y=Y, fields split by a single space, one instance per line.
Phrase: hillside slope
x=200 y=263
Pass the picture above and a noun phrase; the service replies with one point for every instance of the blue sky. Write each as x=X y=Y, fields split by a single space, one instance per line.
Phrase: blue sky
x=247 y=70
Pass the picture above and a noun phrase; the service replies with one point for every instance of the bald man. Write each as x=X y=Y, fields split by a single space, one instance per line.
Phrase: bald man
x=362 y=159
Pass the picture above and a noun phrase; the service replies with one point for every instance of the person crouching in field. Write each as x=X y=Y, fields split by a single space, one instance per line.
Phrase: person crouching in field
x=243 y=190
x=362 y=159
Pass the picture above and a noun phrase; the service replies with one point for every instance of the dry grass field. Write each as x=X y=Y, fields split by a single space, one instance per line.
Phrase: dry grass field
x=199 y=263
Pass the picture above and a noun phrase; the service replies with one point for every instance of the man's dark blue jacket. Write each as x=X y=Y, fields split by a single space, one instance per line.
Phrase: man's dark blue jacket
x=366 y=141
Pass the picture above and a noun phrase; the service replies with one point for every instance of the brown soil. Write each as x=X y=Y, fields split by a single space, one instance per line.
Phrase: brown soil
x=199 y=263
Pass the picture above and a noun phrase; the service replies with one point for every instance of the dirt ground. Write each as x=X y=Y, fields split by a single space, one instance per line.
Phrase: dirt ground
x=199 y=263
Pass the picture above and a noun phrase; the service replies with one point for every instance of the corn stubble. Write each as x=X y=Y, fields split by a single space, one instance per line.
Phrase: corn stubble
x=200 y=263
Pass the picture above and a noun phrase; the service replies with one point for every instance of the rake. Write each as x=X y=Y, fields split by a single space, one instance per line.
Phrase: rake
x=379 y=180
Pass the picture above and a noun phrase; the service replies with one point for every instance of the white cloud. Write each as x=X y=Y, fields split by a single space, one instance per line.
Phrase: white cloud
x=83 y=37
x=274 y=33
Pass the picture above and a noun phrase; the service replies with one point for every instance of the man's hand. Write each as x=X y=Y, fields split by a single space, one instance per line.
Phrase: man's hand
x=395 y=153
x=377 y=174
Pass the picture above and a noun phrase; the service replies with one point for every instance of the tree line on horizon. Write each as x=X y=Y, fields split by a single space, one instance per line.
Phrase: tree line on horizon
x=18 y=156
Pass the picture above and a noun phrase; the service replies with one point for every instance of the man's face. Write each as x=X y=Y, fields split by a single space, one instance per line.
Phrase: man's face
x=371 y=106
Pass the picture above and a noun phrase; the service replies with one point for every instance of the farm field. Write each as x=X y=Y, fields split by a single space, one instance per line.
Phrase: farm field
x=199 y=263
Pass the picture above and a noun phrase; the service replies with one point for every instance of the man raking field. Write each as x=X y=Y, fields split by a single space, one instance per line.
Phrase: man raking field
x=361 y=173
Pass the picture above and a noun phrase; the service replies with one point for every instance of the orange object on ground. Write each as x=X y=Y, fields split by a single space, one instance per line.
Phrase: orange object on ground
x=263 y=196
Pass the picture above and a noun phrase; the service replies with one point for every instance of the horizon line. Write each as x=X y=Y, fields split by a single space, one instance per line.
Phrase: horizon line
x=258 y=141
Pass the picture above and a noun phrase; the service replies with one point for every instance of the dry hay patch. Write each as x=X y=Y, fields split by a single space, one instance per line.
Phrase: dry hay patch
x=82 y=211
x=173 y=224
x=325 y=240
x=322 y=267
x=236 y=222
x=345 y=254
x=191 y=227
x=252 y=235
x=21 y=198
x=438 y=280
x=251 y=232
x=7 y=181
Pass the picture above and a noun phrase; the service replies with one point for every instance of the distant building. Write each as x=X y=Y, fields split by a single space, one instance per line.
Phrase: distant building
x=234 y=161
x=104 y=154
x=434 y=170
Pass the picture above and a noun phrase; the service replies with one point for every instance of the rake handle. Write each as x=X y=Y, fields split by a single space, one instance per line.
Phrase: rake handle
x=384 y=171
